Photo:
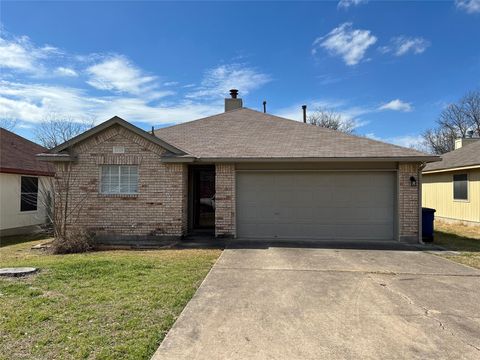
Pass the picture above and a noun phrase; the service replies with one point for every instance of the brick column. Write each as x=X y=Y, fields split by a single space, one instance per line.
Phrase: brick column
x=409 y=197
x=175 y=184
x=225 y=200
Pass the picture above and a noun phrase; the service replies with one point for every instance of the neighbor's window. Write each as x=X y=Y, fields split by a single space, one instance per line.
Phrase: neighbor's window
x=460 y=187
x=29 y=193
x=119 y=179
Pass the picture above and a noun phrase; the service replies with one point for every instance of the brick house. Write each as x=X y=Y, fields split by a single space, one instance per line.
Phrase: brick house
x=243 y=174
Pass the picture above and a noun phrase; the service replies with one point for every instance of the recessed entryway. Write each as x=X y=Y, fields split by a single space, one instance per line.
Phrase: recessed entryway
x=202 y=199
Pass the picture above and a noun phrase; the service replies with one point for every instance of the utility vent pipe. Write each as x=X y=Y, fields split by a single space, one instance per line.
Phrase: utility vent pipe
x=304 y=108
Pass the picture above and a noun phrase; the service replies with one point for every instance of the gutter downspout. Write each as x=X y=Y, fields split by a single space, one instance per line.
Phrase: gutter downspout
x=420 y=168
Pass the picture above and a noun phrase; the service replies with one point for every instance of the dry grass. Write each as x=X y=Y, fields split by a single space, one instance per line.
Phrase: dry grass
x=99 y=305
x=461 y=238
x=471 y=232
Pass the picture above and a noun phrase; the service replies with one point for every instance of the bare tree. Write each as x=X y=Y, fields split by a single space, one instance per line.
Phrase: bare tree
x=64 y=199
x=439 y=140
x=331 y=119
x=56 y=129
x=8 y=123
x=64 y=196
x=471 y=108
x=456 y=120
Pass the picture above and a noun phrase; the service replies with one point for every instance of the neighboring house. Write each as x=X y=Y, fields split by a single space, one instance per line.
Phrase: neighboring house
x=244 y=174
x=452 y=186
x=24 y=183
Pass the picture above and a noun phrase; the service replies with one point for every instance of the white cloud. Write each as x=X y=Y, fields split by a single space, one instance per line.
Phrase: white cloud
x=396 y=105
x=402 y=45
x=127 y=90
x=64 y=71
x=345 y=4
x=117 y=73
x=470 y=6
x=350 y=44
x=135 y=109
x=32 y=103
x=217 y=81
x=409 y=141
x=20 y=54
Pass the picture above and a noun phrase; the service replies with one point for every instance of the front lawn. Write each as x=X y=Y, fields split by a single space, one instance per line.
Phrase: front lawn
x=461 y=238
x=100 y=305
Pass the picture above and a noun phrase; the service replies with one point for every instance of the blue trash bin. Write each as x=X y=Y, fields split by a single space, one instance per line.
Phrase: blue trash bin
x=428 y=216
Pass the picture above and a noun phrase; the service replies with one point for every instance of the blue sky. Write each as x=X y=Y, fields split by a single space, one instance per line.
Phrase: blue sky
x=389 y=66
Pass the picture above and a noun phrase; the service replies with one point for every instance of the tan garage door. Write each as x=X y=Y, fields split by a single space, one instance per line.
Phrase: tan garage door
x=316 y=205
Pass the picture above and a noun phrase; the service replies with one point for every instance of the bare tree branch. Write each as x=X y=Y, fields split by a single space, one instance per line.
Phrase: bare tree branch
x=8 y=123
x=331 y=119
x=456 y=120
x=56 y=129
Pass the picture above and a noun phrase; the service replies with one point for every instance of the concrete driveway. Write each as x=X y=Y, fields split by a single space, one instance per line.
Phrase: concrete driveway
x=321 y=303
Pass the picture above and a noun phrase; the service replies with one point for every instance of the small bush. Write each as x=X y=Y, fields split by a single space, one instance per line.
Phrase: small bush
x=78 y=241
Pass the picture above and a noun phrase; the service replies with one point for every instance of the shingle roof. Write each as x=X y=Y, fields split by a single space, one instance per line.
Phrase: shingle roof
x=246 y=133
x=468 y=155
x=17 y=155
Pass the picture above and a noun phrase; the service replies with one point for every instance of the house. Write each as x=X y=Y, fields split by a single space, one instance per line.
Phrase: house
x=244 y=174
x=452 y=186
x=24 y=184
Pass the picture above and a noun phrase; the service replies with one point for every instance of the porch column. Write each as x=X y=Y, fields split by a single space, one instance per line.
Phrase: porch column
x=225 y=200
x=409 y=198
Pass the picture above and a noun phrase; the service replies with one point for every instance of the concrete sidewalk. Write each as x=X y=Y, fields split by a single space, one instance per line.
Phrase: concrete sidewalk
x=314 y=303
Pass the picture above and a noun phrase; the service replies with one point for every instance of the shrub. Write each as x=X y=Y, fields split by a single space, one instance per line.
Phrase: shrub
x=75 y=242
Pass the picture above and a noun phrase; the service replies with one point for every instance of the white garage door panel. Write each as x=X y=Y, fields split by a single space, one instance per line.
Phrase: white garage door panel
x=316 y=205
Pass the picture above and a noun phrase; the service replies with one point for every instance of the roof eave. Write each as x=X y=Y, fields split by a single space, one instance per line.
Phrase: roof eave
x=421 y=159
x=16 y=171
x=55 y=157
x=457 y=168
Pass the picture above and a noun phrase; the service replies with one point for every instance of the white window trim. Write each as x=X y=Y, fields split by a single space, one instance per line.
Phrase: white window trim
x=467 y=200
x=117 y=193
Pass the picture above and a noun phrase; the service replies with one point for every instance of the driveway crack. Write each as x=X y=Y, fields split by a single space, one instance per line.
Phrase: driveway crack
x=426 y=311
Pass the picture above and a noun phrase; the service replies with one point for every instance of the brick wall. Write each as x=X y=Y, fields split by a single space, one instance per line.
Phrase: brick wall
x=225 y=200
x=159 y=208
x=408 y=203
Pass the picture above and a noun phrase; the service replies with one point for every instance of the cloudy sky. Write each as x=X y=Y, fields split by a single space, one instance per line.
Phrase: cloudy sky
x=389 y=66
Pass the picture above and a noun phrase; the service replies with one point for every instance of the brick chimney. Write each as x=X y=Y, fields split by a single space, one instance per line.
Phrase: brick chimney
x=461 y=142
x=233 y=103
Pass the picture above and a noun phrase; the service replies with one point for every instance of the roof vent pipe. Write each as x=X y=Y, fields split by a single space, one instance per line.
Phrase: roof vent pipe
x=153 y=131
x=233 y=93
x=304 y=108
x=264 y=106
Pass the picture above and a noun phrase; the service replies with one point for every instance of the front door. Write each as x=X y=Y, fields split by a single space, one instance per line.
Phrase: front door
x=203 y=197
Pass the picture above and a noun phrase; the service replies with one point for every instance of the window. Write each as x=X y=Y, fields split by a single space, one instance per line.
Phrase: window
x=119 y=179
x=460 y=187
x=29 y=193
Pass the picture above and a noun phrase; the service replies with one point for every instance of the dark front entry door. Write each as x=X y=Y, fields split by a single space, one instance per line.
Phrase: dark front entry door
x=203 y=179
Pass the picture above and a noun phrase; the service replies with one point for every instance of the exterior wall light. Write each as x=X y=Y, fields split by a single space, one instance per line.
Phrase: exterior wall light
x=413 y=181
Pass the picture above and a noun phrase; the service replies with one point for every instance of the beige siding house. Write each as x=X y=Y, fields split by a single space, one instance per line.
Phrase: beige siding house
x=24 y=184
x=452 y=186
x=242 y=174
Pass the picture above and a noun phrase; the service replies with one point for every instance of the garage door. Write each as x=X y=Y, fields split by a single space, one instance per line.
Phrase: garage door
x=316 y=205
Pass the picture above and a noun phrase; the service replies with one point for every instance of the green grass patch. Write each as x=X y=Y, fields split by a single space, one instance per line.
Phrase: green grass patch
x=99 y=305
